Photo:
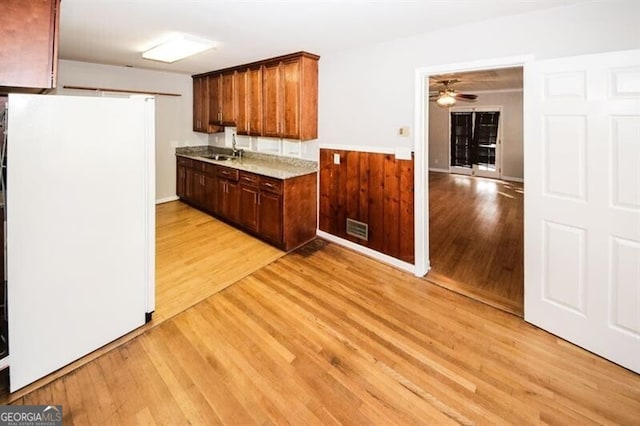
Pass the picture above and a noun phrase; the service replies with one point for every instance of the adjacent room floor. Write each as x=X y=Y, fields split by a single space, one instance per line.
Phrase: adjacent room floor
x=476 y=238
x=326 y=336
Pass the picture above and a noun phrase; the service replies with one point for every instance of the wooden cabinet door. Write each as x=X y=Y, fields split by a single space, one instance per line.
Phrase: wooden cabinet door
x=220 y=195
x=210 y=193
x=254 y=101
x=233 y=201
x=198 y=188
x=291 y=98
x=228 y=205
x=248 y=214
x=270 y=217
x=201 y=104
x=242 y=118
x=228 y=98
x=29 y=43
x=181 y=181
x=215 y=104
x=189 y=180
x=271 y=102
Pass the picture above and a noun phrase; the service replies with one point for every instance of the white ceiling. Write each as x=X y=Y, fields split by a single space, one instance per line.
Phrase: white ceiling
x=117 y=31
x=478 y=81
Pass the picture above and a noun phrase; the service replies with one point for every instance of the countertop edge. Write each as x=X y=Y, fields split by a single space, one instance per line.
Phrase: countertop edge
x=261 y=169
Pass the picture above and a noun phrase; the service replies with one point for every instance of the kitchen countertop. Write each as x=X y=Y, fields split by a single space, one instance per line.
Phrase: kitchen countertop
x=262 y=164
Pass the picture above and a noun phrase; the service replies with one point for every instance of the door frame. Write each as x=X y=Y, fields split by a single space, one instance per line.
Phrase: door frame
x=421 y=143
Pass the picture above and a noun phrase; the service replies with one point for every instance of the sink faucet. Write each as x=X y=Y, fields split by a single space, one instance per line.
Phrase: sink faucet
x=236 y=152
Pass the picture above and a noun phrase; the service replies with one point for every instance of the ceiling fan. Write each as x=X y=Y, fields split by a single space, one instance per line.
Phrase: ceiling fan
x=447 y=96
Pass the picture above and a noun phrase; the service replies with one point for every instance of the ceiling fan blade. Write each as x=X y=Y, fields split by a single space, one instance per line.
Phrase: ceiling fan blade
x=465 y=96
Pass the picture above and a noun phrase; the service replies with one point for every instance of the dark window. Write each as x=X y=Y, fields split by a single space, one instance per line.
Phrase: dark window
x=474 y=136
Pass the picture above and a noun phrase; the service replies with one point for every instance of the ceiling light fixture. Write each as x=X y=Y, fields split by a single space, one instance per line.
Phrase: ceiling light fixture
x=178 y=48
x=445 y=99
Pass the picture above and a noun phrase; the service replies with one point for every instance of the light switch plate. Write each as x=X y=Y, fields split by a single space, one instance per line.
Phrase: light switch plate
x=404 y=131
x=336 y=158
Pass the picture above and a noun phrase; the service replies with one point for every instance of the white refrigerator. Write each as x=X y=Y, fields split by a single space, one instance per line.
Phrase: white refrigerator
x=80 y=208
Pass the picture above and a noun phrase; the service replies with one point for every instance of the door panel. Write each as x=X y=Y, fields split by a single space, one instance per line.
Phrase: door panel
x=582 y=202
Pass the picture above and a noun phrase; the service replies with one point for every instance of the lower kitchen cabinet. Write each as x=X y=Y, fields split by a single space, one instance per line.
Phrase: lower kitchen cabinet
x=280 y=211
x=210 y=188
x=190 y=181
x=249 y=200
x=228 y=202
x=270 y=217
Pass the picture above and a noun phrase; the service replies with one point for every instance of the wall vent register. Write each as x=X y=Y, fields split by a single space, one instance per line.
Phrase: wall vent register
x=358 y=229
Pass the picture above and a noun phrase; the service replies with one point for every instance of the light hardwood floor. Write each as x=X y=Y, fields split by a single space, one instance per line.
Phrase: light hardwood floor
x=326 y=336
x=476 y=238
x=196 y=256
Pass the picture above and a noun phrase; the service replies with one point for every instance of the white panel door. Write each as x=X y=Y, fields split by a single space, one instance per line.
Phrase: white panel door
x=582 y=202
x=79 y=227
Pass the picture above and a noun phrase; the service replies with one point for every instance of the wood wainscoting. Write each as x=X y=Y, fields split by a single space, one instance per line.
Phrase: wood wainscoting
x=376 y=189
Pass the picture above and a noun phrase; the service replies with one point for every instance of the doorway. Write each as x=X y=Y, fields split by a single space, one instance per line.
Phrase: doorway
x=476 y=190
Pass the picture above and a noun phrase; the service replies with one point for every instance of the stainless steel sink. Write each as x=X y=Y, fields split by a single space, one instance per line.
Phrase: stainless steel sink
x=219 y=157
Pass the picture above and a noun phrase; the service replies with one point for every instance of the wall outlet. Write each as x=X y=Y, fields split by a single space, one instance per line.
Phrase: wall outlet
x=336 y=158
x=436 y=161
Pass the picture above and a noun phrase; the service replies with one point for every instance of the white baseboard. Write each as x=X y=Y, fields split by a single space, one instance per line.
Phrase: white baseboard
x=435 y=169
x=167 y=199
x=408 y=267
x=512 y=179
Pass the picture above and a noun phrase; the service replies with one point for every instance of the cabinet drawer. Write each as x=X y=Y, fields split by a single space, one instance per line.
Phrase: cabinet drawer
x=271 y=185
x=249 y=179
x=184 y=162
x=227 y=173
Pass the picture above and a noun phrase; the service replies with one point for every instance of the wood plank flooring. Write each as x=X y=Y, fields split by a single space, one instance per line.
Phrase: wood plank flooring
x=196 y=256
x=476 y=238
x=326 y=336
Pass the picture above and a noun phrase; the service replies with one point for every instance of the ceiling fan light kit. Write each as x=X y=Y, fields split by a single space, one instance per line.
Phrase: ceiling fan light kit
x=448 y=97
x=445 y=100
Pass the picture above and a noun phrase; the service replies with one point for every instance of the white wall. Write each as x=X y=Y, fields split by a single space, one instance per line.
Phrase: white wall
x=173 y=114
x=510 y=121
x=366 y=94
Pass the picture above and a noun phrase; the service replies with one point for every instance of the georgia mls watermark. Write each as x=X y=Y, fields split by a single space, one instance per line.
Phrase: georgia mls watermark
x=30 y=415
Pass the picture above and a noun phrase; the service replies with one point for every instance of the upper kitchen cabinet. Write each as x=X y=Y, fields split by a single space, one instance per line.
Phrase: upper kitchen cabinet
x=276 y=97
x=242 y=87
x=290 y=90
x=272 y=99
x=29 y=47
x=254 y=101
x=222 y=98
x=249 y=101
x=201 y=104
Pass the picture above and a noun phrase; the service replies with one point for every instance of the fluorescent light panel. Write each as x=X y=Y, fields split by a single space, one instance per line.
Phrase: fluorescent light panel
x=178 y=48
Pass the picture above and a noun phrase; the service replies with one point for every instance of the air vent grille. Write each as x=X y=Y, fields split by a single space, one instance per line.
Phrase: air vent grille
x=358 y=229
